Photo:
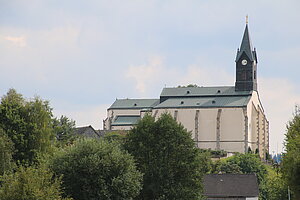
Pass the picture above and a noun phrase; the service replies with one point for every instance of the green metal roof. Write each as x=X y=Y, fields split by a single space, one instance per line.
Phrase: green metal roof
x=125 y=120
x=134 y=103
x=202 y=92
x=205 y=102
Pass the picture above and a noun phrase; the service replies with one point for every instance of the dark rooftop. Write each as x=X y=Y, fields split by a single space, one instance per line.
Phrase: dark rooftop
x=230 y=185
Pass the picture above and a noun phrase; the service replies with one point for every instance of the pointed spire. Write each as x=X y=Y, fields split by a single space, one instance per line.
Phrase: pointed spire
x=246 y=45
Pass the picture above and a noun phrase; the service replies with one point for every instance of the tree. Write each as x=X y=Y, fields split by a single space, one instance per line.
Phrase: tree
x=246 y=164
x=6 y=152
x=291 y=159
x=64 y=130
x=94 y=169
x=31 y=183
x=275 y=186
x=28 y=124
x=173 y=167
x=118 y=136
x=249 y=163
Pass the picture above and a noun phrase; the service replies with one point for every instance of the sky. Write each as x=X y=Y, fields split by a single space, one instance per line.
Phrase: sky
x=81 y=55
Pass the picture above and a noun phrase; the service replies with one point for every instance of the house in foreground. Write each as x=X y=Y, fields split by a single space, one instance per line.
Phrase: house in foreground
x=231 y=187
x=229 y=118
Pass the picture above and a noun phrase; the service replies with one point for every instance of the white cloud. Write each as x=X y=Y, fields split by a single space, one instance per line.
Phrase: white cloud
x=145 y=75
x=205 y=76
x=17 y=41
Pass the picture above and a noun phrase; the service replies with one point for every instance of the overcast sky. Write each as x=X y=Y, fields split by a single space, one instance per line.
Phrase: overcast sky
x=81 y=55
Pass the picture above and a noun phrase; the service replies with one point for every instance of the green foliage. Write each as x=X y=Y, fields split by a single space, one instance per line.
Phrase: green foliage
x=189 y=85
x=64 y=130
x=245 y=164
x=6 y=152
x=291 y=159
x=27 y=124
x=173 y=167
x=30 y=184
x=115 y=136
x=275 y=186
x=215 y=153
x=97 y=169
x=249 y=163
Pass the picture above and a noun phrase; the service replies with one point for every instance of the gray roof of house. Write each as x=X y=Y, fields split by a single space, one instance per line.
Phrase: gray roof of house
x=202 y=92
x=134 y=103
x=230 y=185
x=125 y=120
x=88 y=131
x=205 y=102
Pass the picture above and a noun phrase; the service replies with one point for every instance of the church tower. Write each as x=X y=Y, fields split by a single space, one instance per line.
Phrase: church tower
x=246 y=65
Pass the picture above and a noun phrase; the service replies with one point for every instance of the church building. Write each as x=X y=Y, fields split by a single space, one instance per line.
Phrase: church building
x=229 y=118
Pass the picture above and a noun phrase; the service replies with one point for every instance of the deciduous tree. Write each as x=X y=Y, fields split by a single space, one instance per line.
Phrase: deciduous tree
x=291 y=159
x=31 y=183
x=28 y=124
x=173 y=167
x=94 y=169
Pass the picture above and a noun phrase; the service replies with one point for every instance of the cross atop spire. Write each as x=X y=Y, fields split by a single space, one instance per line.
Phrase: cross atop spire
x=246 y=19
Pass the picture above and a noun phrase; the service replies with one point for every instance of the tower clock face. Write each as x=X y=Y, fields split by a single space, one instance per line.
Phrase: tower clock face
x=244 y=62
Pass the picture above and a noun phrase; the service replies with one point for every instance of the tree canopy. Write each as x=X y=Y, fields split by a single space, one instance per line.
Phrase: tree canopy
x=63 y=128
x=97 y=169
x=6 y=152
x=27 y=124
x=291 y=159
x=164 y=151
x=31 y=183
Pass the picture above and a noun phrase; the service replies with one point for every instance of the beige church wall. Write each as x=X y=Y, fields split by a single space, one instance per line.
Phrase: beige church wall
x=232 y=127
x=187 y=118
x=261 y=136
x=208 y=125
x=207 y=145
x=233 y=146
x=253 y=128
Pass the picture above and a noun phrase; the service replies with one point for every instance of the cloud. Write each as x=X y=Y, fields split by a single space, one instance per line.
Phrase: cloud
x=205 y=76
x=145 y=75
x=18 y=41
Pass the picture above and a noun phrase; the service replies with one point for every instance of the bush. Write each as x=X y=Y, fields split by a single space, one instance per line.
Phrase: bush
x=30 y=184
x=94 y=169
